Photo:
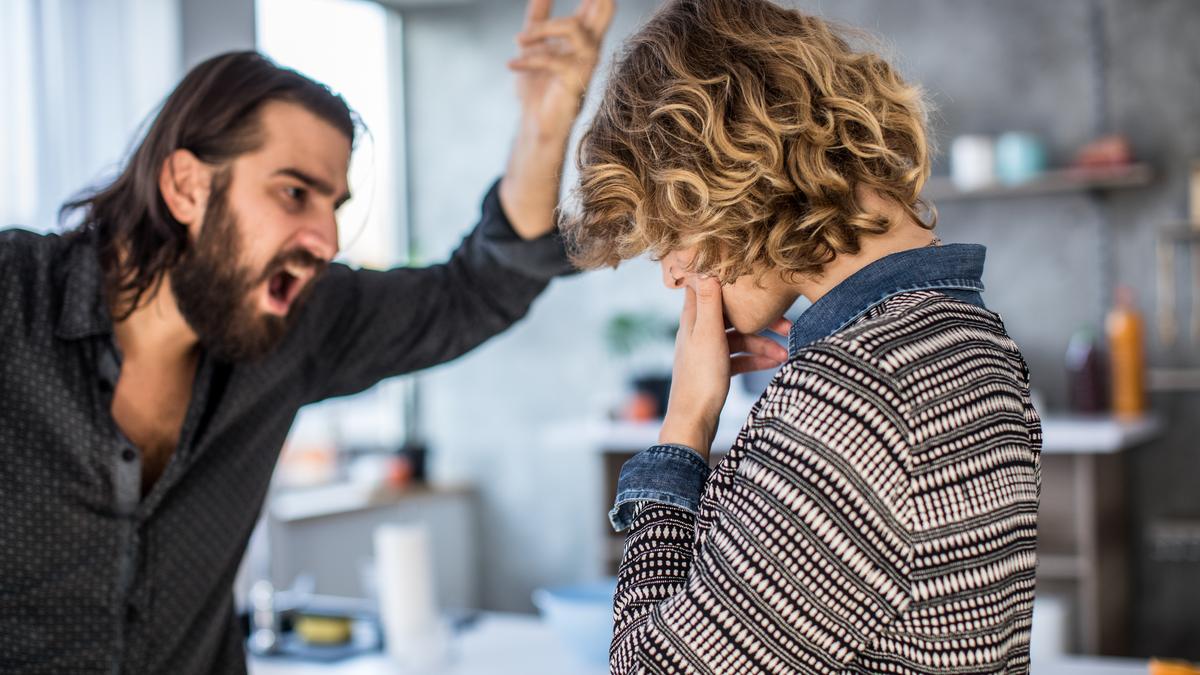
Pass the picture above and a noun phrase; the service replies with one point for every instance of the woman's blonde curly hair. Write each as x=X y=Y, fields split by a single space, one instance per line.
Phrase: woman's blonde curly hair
x=745 y=130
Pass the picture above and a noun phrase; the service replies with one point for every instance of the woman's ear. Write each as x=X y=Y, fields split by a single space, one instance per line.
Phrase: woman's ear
x=184 y=183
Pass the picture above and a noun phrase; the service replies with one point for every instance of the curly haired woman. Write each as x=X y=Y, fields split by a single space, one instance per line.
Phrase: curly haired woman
x=877 y=512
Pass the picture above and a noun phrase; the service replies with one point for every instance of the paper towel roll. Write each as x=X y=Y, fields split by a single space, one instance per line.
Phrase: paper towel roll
x=413 y=631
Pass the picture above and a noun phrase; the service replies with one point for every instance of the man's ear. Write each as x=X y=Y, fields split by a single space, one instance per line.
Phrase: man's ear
x=184 y=183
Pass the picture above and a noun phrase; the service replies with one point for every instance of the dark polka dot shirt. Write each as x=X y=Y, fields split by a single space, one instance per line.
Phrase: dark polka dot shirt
x=97 y=578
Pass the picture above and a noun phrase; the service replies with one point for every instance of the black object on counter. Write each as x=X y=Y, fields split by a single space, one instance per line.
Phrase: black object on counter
x=1087 y=375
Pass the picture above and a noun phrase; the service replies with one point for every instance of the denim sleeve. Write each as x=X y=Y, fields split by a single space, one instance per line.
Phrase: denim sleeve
x=666 y=474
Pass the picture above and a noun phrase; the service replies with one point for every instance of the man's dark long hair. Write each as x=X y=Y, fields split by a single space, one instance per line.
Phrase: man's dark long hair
x=213 y=113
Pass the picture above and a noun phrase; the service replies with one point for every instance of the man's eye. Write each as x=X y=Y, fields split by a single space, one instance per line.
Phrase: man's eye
x=295 y=194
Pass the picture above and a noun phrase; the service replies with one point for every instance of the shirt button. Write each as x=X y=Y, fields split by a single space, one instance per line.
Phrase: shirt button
x=131 y=613
x=128 y=454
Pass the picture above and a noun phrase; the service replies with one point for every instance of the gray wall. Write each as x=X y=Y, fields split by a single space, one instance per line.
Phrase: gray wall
x=486 y=413
x=211 y=27
x=988 y=67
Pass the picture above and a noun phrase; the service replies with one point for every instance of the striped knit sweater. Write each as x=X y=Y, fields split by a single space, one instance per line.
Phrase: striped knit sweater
x=876 y=514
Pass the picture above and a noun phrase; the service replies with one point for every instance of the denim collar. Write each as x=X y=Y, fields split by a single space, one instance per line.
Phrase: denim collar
x=954 y=269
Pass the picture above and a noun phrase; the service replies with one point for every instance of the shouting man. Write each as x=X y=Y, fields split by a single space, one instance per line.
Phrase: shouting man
x=152 y=359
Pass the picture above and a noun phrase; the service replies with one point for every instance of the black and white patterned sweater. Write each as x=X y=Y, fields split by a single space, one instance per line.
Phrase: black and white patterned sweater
x=876 y=514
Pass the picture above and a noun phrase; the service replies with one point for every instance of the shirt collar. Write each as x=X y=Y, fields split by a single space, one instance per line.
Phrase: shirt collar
x=951 y=267
x=84 y=312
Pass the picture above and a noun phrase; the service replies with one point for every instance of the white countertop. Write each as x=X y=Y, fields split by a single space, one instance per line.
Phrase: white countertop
x=512 y=644
x=1098 y=434
x=1061 y=434
x=498 y=644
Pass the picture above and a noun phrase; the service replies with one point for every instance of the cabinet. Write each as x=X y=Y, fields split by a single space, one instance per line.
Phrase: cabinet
x=328 y=532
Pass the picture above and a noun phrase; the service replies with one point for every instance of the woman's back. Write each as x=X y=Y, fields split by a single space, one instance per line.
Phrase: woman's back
x=878 y=511
x=877 y=514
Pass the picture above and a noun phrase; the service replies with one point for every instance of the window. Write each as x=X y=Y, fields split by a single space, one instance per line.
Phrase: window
x=78 y=80
x=345 y=44
x=18 y=167
x=350 y=46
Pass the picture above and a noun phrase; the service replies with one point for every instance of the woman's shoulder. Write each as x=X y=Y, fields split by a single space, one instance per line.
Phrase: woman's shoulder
x=829 y=413
x=830 y=380
x=920 y=329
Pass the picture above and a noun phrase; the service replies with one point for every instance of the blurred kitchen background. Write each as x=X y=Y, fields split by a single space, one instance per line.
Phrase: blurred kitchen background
x=509 y=454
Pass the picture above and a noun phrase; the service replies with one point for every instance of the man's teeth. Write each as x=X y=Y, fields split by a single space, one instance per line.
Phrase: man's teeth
x=298 y=271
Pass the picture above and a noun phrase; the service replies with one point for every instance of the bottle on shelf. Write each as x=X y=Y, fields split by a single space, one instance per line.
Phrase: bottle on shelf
x=1087 y=373
x=1127 y=357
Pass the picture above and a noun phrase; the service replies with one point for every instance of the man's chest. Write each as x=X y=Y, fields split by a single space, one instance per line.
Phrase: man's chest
x=149 y=406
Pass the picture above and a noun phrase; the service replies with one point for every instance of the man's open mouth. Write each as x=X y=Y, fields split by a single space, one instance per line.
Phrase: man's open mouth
x=285 y=285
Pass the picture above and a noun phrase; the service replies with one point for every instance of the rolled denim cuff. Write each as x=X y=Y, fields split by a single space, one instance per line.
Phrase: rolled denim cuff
x=667 y=474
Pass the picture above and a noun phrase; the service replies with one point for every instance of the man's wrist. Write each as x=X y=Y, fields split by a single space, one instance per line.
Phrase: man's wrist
x=529 y=217
x=544 y=134
x=529 y=190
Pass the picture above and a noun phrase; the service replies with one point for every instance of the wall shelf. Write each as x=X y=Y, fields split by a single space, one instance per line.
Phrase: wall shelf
x=1182 y=232
x=941 y=189
x=1061 y=434
x=1173 y=379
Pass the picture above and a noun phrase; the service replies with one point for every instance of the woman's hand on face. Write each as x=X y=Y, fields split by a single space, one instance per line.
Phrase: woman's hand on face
x=707 y=354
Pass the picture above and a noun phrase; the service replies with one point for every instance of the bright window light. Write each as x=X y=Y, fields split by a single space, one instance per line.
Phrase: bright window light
x=344 y=44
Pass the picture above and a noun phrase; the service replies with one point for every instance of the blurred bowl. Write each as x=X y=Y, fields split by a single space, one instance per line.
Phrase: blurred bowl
x=581 y=615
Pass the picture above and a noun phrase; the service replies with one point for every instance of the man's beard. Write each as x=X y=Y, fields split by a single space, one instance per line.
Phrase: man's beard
x=216 y=294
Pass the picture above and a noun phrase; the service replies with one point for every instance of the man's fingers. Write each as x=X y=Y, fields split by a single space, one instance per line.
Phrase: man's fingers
x=567 y=29
x=747 y=363
x=559 y=65
x=537 y=10
x=596 y=15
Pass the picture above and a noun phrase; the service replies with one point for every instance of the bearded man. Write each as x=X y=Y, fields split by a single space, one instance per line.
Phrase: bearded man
x=153 y=358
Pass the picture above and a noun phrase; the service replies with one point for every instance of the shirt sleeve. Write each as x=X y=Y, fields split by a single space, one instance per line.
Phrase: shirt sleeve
x=663 y=474
x=366 y=325
x=807 y=555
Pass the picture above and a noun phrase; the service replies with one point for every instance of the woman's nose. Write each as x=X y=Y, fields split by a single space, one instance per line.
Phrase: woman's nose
x=671 y=276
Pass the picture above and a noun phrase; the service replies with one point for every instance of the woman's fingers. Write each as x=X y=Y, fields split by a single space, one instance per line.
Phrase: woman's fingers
x=687 y=318
x=757 y=345
x=781 y=326
x=747 y=363
x=709 y=314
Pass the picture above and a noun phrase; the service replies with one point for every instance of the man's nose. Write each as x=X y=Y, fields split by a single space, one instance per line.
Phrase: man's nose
x=320 y=238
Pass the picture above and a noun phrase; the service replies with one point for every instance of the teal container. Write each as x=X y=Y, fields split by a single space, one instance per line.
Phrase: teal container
x=1020 y=157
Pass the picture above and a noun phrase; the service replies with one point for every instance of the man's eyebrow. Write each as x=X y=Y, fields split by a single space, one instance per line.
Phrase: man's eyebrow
x=314 y=183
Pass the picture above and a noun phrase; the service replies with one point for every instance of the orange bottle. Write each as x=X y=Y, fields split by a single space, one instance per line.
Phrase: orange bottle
x=1127 y=356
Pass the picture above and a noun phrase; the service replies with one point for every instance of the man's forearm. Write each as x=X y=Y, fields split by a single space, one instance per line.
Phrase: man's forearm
x=554 y=67
x=529 y=190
